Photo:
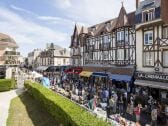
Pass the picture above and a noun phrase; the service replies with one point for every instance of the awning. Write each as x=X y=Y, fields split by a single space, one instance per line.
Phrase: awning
x=73 y=71
x=86 y=73
x=152 y=84
x=99 y=74
x=119 y=77
x=41 y=68
x=36 y=75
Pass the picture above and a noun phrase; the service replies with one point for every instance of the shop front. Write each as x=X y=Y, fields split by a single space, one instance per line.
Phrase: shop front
x=73 y=73
x=152 y=84
x=122 y=83
x=100 y=79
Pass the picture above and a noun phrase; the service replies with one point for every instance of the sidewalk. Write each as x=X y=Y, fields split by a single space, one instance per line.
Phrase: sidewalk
x=5 y=98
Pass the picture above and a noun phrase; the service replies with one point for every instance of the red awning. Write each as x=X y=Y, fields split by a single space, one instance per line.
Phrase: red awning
x=76 y=70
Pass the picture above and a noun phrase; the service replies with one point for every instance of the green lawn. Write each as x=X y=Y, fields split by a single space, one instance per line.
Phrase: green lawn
x=25 y=111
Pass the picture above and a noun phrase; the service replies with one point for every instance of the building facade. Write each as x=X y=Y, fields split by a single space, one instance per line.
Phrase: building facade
x=53 y=55
x=9 y=57
x=76 y=46
x=108 y=47
x=152 y=51
x=32 y=57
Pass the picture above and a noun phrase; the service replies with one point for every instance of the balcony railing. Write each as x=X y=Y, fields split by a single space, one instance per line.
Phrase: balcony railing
x=9 y=62
x=12 y=53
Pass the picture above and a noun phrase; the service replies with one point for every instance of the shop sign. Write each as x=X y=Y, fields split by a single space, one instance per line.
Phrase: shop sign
x=152 y=76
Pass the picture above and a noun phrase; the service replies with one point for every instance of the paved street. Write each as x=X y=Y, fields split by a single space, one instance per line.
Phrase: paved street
x=5 y=98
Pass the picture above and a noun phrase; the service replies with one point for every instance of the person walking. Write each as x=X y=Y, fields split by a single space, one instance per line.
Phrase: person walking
x=106 y=95
x=115 y=97
x=154 y=114
x=111 y=104
x=124 y=103
x=131 y=104
x=120 y=103
x=137 y=111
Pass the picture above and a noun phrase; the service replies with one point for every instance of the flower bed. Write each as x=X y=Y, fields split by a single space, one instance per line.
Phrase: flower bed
x=64 y=111
x=7 y=84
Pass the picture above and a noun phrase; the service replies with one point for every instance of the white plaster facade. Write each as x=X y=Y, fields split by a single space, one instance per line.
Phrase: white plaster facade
x=32 y=57
x=140 y=56
x=56 y=56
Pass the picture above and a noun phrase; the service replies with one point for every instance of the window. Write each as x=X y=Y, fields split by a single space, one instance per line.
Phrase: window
x=114 y=55
x=105 y=39
x=64 y=61
x=127 y=54
x=105 y=55
x=108 y=24
x=120 y=36
x=91 y=55
x=93 y=29
x=148 y=58
x=96 y=44
x=126 y=35
x=148 y=38
x=120 y=54
x=148 y=16
x=165 y=32
x=165 y=58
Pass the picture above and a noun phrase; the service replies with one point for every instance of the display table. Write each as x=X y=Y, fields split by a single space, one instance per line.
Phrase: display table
x=100 y=113
x=121 y=121
x=103 y=105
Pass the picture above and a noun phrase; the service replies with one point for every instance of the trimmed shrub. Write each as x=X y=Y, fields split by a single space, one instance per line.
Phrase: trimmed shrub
x=7 y=84
x=62 y=109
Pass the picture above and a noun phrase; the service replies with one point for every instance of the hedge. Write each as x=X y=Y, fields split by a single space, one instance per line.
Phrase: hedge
x=7 y=84
x=61 y=108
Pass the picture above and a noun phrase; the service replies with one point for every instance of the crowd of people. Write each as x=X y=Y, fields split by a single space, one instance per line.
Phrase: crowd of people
x=112 y=100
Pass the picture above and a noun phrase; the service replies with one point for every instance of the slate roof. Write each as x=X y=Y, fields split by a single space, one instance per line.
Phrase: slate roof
x=147 y=4
x=123 y=19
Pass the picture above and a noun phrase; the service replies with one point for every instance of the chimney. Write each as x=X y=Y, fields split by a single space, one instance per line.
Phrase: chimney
x=137 y=3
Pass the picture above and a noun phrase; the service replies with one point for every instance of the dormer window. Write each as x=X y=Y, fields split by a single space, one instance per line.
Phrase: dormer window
x=148 y=15
x=93 y=28
x=108 y=25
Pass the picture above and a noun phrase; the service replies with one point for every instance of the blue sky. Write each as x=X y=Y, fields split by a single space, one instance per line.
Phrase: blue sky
x=33 y=23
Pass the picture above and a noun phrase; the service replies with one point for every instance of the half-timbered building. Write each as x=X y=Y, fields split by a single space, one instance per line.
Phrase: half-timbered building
x=76 y=47
x=108 y=47
x=152 y=47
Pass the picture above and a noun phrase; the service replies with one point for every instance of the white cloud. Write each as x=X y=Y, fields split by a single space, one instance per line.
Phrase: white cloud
x=63 y=4
x=48 y=19
x=55 y=20
x=95 y=11
x=22 y=10
x=27 y=32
